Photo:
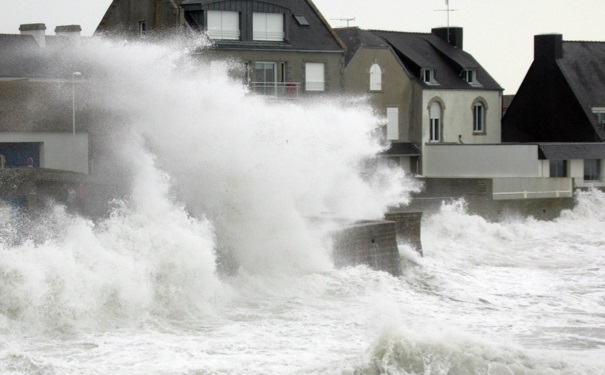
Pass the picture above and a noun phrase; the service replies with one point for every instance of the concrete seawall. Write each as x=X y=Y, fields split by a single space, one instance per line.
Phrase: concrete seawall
x=369 y=243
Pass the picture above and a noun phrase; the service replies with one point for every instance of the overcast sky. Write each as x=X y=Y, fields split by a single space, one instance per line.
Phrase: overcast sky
x=498 y=33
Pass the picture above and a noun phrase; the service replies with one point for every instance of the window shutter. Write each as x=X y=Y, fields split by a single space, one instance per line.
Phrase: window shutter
x=393 y=124
x=314 y=77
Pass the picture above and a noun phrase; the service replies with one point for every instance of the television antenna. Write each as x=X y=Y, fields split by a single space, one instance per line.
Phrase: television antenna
x=344 y=19
x=448 y=10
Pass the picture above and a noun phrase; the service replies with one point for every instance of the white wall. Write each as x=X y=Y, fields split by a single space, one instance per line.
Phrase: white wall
x=58 y=150
x=576 y=171
x=454 y=160
x=458 y=115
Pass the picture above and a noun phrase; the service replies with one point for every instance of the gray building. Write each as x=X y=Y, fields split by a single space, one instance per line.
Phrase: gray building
x=283 y=49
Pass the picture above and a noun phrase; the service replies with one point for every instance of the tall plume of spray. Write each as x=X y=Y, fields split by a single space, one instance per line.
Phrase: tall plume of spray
x=257 y=169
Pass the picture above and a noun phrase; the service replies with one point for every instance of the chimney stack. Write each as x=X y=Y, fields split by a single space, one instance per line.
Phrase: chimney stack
x=72 y=32
x=548 y=47
x=452 y=35
x=37 y=30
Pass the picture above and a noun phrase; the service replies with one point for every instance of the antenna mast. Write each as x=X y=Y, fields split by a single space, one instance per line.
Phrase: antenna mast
x=344 y=19
x=448 y=10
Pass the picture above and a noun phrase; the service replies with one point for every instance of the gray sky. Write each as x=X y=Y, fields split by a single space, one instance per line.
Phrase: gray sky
x=498 y=33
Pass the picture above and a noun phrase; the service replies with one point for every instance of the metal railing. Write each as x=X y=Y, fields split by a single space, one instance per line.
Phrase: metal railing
x=279 y=90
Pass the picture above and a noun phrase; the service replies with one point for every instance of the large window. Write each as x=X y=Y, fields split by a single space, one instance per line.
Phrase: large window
x=265 y=76
x=315 y=77
x=478 y=118
x=435 y=122
x=592 y=170
x=558 y=168
x=375 y=78
x=223 y=25
x=268 y=26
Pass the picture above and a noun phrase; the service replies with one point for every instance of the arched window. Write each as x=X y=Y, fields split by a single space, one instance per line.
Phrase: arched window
x=375 y=78
x=479 y=109
x=435 y=122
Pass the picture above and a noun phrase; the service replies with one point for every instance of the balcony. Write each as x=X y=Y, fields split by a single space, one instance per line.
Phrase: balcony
x=277 y=90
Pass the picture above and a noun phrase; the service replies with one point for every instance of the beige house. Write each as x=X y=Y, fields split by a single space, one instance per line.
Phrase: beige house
x=429 y=90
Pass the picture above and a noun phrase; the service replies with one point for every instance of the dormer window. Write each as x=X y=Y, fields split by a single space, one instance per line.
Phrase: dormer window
x=428 y=76
x=600 y=114
x=223 y=25
x=268 y=26
x=470 y=76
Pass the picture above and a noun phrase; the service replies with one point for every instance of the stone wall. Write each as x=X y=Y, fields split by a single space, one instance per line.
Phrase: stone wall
x=369 y=243
x=408 y=227
x=477 y=193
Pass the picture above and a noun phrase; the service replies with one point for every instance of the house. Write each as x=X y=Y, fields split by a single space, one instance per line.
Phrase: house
x=428 y=88
x=560 y=106
x=442 y=113
x=39 y=94
x=44 y=136
x=282 y=49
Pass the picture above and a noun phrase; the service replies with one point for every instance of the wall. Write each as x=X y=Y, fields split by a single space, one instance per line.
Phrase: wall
x=57 y=151
x=455 y=160
x=368 y=243
x=408 y=226
x=458 y=115
x=477 y=193
x=396 y=85
x=295 y=67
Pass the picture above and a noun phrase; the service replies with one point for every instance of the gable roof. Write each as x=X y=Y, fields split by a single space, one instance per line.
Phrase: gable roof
x=354 y=38
x=583 y=67
x=317 y=36
x=419 y=51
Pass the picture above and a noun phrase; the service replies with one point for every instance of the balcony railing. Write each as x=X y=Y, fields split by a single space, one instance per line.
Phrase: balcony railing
x=278 y=90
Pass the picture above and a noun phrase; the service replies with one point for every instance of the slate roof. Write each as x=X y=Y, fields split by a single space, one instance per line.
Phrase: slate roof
x=583 y=66
x=428 y=51
x=317 y=36
x=569 y=151
x=355 y=38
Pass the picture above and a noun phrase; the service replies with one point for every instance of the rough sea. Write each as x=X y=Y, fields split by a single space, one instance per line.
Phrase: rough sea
x=138 y=291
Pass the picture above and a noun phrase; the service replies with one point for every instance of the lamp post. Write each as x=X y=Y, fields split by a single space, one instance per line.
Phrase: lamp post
x=73 y=118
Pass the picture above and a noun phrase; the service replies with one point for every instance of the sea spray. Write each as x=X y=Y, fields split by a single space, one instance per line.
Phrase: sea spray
x=259 y=169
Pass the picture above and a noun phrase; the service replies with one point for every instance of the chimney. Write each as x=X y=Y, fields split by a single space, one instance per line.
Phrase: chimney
x=37 y=30
x=452 y=35
x=72 y=32
x=548 y=47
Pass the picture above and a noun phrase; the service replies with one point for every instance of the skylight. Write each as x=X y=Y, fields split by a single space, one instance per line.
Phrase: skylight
x=302 y=21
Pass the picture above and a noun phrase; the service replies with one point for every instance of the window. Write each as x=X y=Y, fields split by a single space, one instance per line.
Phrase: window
x=558 y=168
x=375 y=78
x=142 y=28
x=393 y=123
x=314 y=77
x=223 y=25
x=435 y=122
x=268 y=26
x=600 y=114
x=265 y=74
x=428 y=76
x=592 y=170
x=470 y=76
x=478 y=118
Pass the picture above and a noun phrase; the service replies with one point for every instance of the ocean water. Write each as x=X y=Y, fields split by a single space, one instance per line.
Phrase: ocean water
x=139 y=291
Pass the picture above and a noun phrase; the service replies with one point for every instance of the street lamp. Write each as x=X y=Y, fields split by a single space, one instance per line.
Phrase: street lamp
x=73 y=123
